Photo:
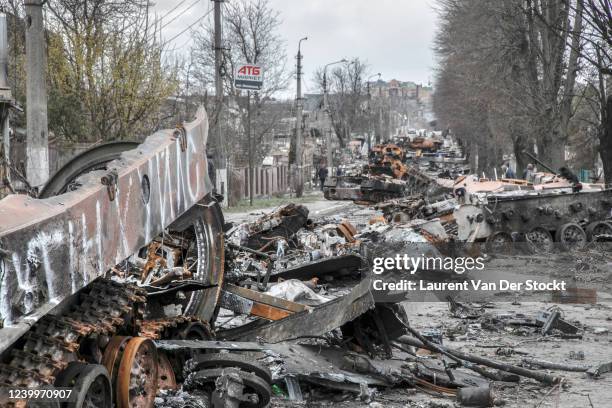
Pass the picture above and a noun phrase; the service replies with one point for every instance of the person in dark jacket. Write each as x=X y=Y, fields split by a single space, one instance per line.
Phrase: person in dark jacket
x=322 y=175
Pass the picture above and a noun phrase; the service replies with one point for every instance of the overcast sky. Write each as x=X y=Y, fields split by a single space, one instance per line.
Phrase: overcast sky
x=393 y=36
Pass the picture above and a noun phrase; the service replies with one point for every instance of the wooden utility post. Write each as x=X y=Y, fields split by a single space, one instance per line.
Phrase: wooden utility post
x=219 y=157
x=299 y=173
x=37 y=144
x=5 y=95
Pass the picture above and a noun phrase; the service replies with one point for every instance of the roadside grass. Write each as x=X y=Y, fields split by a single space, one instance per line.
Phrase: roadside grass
x=259 y=203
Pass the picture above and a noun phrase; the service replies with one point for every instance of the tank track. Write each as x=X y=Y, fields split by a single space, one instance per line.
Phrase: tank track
x=160 y=328
x=104 y=308
x=54 y=341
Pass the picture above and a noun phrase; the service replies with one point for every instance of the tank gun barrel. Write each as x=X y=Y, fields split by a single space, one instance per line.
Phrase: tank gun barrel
x=539 y=162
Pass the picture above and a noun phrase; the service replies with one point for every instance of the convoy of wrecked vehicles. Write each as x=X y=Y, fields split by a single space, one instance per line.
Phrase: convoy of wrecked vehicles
x=116 y=276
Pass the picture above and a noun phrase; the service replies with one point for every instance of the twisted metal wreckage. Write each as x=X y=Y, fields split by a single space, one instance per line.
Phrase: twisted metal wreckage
x=85 y=234
x=428 y=178
x=123 y=249
x=121 y=279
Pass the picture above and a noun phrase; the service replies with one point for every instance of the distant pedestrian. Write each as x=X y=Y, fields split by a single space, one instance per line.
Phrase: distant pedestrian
x=338 y=171
x=322 y=175
x=507 y=171
x=528 y=173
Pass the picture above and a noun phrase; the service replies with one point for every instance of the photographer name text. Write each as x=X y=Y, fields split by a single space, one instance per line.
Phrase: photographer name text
x=466 y=285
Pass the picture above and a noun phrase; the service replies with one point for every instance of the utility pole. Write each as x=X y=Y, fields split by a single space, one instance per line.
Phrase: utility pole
x=379 y=137
x=218 y=154
x=299 y=174
x=37 y=144
x=5 y=95
x=330 y=154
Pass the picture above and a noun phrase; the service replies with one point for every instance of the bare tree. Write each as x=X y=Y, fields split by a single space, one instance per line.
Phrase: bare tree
x=250 y=30
x=347 y=97
x=525 y=71
x=588 y=40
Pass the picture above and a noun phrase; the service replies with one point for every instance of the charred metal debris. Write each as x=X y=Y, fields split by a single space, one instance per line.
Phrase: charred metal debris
x=424 y=165
x=123 y=280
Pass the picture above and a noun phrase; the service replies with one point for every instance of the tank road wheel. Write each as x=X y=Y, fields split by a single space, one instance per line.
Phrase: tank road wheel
x=90 y=382
x=95 y=158
x=112 y=357
x=166 y=380
x=499 y=242
x=195 y=243
x=137 y=376
x=598 y=228
x=540 y=239
x=571 y=236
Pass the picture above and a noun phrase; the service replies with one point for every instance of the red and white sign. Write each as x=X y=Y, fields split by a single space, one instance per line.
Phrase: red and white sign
x=248 y=76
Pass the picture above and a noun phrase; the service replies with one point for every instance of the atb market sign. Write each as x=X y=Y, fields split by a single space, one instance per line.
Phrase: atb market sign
x=248 y=77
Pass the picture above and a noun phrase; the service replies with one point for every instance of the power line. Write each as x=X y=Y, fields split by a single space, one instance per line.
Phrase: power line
x=175 y=49
x=180 y=14
x=173 y=8
x=165 y=15
x=185 y=30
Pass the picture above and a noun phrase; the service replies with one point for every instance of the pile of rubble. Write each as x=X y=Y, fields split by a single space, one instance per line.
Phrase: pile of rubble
x=299 y=318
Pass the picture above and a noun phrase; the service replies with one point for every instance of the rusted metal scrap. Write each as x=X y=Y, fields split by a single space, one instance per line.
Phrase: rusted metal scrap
x=251 y=302
x=281 y=224
x=316 y=321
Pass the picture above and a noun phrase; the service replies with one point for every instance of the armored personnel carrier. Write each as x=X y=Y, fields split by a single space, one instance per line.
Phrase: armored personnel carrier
x=542 y=215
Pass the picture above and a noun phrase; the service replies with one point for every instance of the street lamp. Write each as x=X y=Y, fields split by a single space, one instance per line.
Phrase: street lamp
x=326 y=107
x=370 y=77
x=370 y=109
x=298 y=181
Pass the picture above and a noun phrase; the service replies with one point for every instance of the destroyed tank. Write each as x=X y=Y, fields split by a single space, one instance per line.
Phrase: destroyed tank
x=542 y=216
x=123 y=245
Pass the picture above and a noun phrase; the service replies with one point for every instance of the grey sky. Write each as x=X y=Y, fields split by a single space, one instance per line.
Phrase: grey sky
x=393 y=36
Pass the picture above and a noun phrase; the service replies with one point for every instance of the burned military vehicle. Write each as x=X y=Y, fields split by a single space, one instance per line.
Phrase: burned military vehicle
x=123 y=245
x=511 y=211
x=383 y=177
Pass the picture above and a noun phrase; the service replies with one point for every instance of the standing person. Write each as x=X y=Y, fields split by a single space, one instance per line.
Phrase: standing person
x=528 y=173
x=507 y=171
x=322 y=175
